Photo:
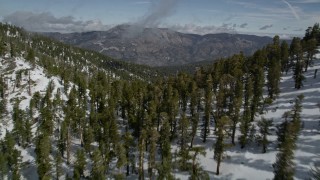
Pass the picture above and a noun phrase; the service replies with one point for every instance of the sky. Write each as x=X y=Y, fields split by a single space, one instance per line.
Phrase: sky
x=285 y=18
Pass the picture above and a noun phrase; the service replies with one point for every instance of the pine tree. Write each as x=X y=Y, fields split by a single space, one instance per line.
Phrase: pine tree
x=121 y=156
x=3 y=108
x=313 y=33
x=197 y=172
x=80 y=164
x=27 y=131
x=31 y=57
x=3 y=164
x=264 y=130
x=165 y=166
x=110 y=136
x=154 y=136
x=2 y=47
x=8 y=148
x=88 y=138
x=18 y=118
x=193 y=91
x=298 y=75
x=258 y=83
x=194 y=101
x=43 y=148
x=16 y=156
x=58 y=165
x=220 y=145
x=207 y=110
x=172 y=107
x=2 y=87
x=245 y=125
x=296 y=117
x=194 y=127
x=281 y=129
x=128 y=146
x=181 y=85
x=287 y=136
x=237 y=103
x=274 y=68
x=141 y=146
x=285 y=66
x=46 y=115
x=284 y=166
x=310 y=49
x=62 y=145
x=224 y=97
x=183 y=142
x=13 y=50
x=98 y=167
x=296 y=57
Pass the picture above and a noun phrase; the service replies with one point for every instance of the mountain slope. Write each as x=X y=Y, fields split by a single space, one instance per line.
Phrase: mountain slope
x=250 y=163
x=112 y=115
x=162 y=47
x=55 y=54
x=23 y=80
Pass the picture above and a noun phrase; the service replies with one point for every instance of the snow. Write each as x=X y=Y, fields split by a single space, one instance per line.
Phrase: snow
x=37 y=76
x=248 y=163
x=39 y=82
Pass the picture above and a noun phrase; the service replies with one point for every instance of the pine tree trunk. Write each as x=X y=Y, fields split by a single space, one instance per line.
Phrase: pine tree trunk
x=14 y=87
x=150 y=172
x=306 y=65
x=218 y=167
x=128 y=164
x=141 y=172
x=264 y=146
x=81 y=136
x=68 y=145
x=194 y=166
x=192 y=139
x=29 y=83
x=233 y=132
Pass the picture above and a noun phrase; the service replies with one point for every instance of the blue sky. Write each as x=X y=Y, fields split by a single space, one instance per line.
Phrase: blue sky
x=262 y=17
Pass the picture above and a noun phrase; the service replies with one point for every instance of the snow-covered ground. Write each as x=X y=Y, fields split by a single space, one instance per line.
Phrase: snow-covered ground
x=9 y=67
x=39 y=82
x=250 y=163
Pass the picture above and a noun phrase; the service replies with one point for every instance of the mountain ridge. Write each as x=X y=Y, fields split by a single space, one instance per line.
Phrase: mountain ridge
x=162 y=46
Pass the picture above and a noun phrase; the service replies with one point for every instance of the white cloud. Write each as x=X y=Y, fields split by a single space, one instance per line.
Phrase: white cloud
x=47 y=22
x=142 y=2
x=196 y=29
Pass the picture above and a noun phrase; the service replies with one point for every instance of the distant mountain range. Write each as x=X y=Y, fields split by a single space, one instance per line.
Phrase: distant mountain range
x=160 y=46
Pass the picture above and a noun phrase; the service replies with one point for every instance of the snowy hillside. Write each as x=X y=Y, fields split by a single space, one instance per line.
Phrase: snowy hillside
x=19 y=89
x=70 y=113
x=23 y=81
x=250 y=163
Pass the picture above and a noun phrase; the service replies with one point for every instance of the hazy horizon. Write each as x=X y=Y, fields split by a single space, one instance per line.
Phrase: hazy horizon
x=285 y=18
